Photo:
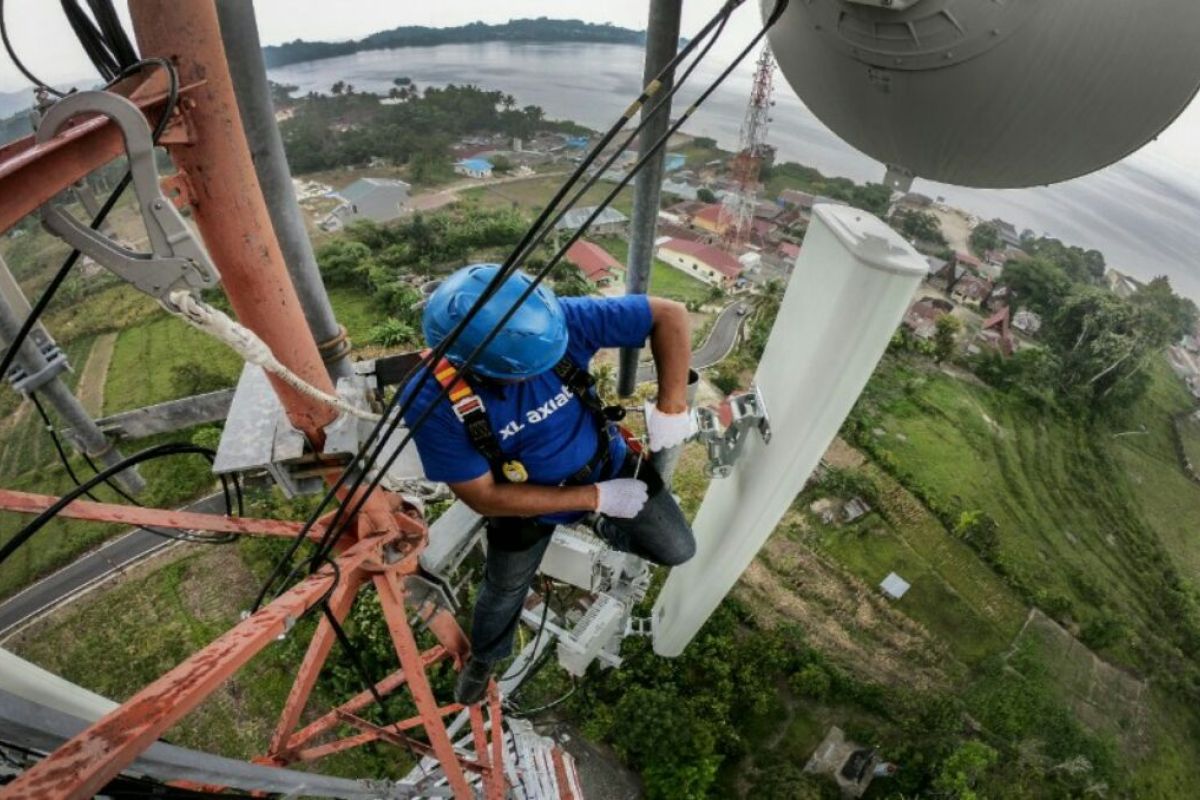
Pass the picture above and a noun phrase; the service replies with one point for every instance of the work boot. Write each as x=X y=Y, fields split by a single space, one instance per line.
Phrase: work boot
x=472 y=682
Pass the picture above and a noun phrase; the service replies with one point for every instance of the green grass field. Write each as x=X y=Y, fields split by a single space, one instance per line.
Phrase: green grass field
x=533 y=194
x=1075 y=528
x=1092 y=518
x=953 y=593
x=147 y=359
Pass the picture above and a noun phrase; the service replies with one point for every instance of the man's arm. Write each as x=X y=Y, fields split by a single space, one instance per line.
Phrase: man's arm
x=492 y=499
x=671 y=345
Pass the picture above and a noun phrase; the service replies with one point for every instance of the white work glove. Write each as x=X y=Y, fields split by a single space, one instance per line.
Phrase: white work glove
x=620 y=497
x=664 y=431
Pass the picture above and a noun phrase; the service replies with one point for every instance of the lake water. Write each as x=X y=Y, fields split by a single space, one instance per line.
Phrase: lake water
x=1143 y=213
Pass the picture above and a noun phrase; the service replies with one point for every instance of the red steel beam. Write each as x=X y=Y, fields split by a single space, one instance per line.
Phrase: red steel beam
x=314 y=658
x=390 y=588
x=31 y=174
x=359 y=702
x=81 y=767
x=497 y=789
x=228 y=204
x=29 y=503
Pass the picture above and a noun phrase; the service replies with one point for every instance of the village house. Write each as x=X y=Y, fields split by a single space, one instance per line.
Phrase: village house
x=996 y=333
x=376 y=199
x=797 y=199
x=971 y=290
x=680 y=189
x=922 y=316
x=709 y=219
x=948 y=276
x=1027 y=322
x=789 y=251
x=609 y=222
x=705 y=262
x=474 y=167
x=1007 y=232
x=968 y=262
x=597 y=264
x=936 y=265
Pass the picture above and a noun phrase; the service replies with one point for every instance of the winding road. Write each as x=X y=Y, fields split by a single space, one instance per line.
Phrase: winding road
x=719 y=343
x=92 y=569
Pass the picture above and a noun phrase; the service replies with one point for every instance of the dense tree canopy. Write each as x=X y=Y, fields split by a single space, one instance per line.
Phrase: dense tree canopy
x=349 y=129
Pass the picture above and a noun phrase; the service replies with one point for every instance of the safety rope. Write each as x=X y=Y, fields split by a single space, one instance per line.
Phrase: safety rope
x=252 y=349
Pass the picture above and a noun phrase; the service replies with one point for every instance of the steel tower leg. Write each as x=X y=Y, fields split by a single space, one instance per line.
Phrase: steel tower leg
x=662 y=41
x=239 y=32
x=83 y=428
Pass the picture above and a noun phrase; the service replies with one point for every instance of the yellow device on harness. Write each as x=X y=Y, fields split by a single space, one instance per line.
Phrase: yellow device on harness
x=514 y=471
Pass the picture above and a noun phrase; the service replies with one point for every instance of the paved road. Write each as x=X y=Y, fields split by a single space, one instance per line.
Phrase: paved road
x=719 y=343
x=89 y=570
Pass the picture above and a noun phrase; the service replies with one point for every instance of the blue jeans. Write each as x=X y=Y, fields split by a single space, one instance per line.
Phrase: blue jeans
x=659 y=533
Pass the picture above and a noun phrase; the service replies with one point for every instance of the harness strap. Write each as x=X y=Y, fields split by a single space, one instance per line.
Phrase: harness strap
x=472 y=413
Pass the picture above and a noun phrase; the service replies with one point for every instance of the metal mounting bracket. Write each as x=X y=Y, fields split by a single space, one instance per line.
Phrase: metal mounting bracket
x=177 y=259
x=725 y=446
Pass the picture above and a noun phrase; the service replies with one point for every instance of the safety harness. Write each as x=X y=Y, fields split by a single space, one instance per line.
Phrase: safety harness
x=471 y=412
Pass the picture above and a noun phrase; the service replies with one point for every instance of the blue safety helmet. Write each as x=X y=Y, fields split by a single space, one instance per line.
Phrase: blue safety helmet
x=532 y=341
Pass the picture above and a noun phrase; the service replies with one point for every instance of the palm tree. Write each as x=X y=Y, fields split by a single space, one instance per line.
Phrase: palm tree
x=606 y=381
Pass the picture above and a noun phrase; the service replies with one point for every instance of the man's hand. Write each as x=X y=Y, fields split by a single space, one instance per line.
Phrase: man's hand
x=621 y=497
x=664 y=430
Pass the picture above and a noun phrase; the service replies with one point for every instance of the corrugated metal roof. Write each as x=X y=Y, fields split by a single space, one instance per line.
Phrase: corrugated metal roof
x=577 y=216
x=363 y=187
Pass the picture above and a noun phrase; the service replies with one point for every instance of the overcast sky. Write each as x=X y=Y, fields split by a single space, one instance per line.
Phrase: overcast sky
x=45 y=42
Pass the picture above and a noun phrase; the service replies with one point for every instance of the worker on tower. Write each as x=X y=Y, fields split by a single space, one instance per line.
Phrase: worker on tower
x=523 y=438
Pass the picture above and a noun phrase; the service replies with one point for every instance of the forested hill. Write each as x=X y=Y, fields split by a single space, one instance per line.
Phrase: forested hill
x=517 y=30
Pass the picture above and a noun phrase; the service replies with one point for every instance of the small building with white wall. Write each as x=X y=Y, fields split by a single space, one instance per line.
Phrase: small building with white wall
x=702 y=261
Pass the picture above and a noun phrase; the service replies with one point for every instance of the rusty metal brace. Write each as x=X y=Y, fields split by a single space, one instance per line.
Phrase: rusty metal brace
x=177 y=259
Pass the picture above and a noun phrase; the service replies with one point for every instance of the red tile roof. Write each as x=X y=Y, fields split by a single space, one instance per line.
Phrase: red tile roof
x=968 y=259
x=789 y=249
x=719 y=260
x=593 y=261
x=710 y=213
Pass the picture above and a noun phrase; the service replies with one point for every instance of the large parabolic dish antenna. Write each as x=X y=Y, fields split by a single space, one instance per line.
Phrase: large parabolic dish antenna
x=992 y=93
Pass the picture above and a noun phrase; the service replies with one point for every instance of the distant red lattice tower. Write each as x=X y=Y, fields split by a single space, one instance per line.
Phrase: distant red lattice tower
x=737 y=210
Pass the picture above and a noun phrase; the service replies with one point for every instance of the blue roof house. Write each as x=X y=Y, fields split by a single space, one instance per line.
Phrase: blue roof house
x=474 y=168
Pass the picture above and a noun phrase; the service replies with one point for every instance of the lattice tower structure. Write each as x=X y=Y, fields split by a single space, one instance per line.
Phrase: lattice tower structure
x=737 y=209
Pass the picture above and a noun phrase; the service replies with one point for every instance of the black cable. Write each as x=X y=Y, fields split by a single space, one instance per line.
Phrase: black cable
x=522 y=248
x=781 y=5
x=517 y=711
x=12 y=56
x=150 y=453
x=164 y=533
x=546 y=590
x=48 y=294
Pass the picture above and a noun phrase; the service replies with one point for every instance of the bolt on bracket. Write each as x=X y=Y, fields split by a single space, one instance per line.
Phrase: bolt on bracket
x=749 y=412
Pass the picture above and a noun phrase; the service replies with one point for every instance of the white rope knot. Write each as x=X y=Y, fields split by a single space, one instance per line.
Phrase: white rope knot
x=251 y=348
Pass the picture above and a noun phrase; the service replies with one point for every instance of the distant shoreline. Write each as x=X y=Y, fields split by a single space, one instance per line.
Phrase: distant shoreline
x=556 y=31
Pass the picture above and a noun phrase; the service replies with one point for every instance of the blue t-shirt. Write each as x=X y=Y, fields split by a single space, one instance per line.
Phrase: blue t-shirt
x=539 y=421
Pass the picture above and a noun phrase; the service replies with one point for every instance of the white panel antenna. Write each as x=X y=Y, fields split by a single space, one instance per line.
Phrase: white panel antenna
x=853 y=281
